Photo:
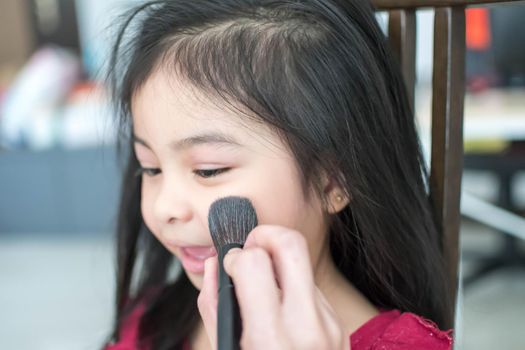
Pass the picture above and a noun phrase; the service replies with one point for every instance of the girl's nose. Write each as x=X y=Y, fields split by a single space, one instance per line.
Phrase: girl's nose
x=173 y=203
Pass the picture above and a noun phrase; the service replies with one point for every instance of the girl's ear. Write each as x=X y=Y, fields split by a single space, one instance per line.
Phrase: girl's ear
x=336 y=198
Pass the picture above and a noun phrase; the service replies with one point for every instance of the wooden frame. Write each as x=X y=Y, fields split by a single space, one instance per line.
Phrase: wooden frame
x=448 y=91
x=413 y=4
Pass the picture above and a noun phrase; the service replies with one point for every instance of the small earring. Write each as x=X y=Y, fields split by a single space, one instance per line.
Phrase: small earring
x=339 y=198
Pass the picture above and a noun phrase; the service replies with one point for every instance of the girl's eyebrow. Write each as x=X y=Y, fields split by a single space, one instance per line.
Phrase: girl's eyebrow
x=199 y=139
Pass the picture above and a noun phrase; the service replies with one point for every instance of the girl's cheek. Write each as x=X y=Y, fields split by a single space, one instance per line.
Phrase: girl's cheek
x=146 y=207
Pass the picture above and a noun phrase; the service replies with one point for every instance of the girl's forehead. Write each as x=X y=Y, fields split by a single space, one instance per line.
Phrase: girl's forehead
x=167 y=99
x=168 y=105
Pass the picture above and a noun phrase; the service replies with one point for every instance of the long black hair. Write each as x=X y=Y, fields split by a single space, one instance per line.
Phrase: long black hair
x=321 y=74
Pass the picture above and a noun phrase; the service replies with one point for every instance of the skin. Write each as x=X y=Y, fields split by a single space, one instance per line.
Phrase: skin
x=298 y=287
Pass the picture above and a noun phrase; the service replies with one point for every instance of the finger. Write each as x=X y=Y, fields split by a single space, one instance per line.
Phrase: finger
x=207 y=300
x=289 y=252
x=256 y=290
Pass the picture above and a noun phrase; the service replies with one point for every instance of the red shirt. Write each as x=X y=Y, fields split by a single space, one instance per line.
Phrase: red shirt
x=390 y=330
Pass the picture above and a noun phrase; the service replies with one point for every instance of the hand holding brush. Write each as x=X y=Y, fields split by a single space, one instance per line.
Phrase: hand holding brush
x=230 y=220
x=274 y=299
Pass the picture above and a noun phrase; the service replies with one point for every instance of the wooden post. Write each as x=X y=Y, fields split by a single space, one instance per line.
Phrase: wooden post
x=448 y=91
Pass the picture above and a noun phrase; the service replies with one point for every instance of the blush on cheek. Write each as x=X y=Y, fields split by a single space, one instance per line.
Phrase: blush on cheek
x=278 y=206
x=279 y=193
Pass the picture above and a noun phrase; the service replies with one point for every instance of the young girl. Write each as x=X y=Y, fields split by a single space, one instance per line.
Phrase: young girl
x=298 y=106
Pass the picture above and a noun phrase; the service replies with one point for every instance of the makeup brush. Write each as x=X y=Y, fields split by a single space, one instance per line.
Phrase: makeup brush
x=230 y=219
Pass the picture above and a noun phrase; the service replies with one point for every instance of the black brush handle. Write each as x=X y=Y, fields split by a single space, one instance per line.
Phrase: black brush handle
x=229 y=325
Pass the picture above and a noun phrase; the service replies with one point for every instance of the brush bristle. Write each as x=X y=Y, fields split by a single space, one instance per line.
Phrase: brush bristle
x=230 y=219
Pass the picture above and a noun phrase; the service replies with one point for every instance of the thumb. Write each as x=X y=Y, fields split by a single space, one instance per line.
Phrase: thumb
x=208 y=300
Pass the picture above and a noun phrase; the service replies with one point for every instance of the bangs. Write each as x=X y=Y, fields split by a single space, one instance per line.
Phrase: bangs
x=250 y=64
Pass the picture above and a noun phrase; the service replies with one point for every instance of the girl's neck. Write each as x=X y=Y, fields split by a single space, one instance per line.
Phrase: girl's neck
x=349 y=304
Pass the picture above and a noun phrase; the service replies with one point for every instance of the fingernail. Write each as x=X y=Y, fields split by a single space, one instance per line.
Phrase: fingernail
x=234 y=250
x=229 y=256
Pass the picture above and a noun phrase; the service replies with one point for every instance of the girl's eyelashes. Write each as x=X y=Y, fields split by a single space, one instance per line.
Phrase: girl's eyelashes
x=207 y=173
x=147 y=171
x=204 y=173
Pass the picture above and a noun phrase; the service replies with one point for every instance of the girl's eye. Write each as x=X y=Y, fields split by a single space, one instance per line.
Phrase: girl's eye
x=147 y=171
x=206 y=173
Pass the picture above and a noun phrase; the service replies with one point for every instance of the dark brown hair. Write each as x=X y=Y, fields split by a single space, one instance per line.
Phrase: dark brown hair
x=321 y=74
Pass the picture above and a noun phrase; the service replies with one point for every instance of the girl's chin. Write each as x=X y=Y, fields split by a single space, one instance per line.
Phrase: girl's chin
x=195 y=279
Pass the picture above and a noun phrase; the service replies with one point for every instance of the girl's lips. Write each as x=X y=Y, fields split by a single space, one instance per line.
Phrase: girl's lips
x=193 y=257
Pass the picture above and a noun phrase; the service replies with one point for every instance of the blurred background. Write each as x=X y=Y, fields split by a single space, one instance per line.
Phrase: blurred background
x=59 y=173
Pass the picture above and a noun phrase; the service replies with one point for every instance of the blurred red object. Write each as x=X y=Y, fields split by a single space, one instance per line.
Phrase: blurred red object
x=478 y=29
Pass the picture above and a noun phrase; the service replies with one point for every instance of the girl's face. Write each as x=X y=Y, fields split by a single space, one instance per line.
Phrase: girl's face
x=195 y=153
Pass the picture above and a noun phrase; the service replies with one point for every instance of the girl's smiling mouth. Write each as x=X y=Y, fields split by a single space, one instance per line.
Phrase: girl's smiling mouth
x=193 y=257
